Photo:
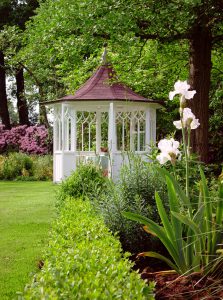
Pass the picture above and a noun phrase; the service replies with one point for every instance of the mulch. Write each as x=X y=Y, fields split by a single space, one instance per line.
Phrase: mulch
x=194 y=286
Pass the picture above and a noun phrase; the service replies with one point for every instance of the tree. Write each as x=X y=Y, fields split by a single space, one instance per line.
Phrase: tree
x=73 y=35
x=5 y=11
x=198 y=21
x=22 y=12
x=14 y=12
x=4 y=113
x=21 y=101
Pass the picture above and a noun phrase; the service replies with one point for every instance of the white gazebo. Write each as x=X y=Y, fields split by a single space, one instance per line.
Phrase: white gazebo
x=101 y=122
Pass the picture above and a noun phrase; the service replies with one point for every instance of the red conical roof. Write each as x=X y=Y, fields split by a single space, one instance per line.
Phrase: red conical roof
x=103 y=85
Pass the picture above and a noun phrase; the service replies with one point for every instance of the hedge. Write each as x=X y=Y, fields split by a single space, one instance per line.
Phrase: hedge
x=85 y=261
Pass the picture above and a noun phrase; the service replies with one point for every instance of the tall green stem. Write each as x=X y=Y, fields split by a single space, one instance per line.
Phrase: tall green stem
x=185 y=146
x=186 y=152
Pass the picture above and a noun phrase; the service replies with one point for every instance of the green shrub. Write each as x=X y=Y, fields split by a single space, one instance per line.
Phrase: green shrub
x=17 y=164
x=84 y=261
x=134 y=192
x=86 y=181
x=192 y=238
x=42 y=167
x=2 y=161
x=24 y=167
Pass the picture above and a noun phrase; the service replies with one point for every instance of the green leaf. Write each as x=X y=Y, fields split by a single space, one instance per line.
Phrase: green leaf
x=217 y=234
x=166 y=223
x=159 y=231
x=176 y=224
x=161 y=257
x=196 y=239
x=207 y=212
x=183 y=198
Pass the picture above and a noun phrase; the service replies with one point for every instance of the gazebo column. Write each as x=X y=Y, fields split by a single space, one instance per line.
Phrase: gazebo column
x=132 y=128
x=98 y=132
x=62 y=140
x=56 y=121
x=74 y=130
x=150 y=127
x=112 y=138
x=68 y=139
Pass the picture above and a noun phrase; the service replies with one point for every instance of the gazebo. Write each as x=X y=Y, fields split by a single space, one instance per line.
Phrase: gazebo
x=101 y=122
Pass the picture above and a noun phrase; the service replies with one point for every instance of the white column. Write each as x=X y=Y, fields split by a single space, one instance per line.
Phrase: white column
x=73 y=130
x=98 y=132
x=55 y=131
x=132 y=128
x=62 y=140
x=55 y=140
x=153 y=125
x=148 y=137
x=150 y=127
x=112 y=136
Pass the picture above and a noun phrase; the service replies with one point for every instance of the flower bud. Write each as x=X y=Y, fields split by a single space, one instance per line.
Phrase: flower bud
x=183 y=102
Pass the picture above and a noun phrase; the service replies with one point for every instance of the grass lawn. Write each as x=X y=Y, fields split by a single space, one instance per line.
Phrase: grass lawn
x=26 y=211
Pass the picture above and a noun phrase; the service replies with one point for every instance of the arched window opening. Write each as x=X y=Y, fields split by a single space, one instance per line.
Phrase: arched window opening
x=58 y=131
x=130 y=127
x=86 y=131
x=67 y=130
x=104 y=131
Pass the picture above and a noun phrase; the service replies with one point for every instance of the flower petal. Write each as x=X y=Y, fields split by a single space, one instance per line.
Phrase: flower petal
x=189 y=94
x=164 y=145
x=194 y=124
x=175 y=144
x=177 y=124
x=163 y=158
x=172 y=94
x=181 y=86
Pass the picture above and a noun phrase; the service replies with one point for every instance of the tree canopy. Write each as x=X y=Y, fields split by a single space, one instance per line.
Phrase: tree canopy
x=151 y=45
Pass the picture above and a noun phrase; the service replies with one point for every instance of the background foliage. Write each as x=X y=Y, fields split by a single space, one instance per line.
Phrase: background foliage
x=148 y=44
x=20 y=166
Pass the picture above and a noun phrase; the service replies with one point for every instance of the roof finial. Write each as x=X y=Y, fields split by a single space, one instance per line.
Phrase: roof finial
x=104 y=58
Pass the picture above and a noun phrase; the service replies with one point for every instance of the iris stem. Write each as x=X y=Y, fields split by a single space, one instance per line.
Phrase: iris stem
x=186 y=145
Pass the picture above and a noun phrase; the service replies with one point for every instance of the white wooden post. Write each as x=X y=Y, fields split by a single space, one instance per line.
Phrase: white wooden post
x=62 y=140
x=55 y=140
x=153 y=110
x=132 y=128
x=148 y=137
x=112 y=136
x=98 y=132
x=73 y=130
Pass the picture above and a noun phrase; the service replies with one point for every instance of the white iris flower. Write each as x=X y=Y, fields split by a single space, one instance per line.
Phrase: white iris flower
x=169 y=151
x=182 y=88
x=188 y=120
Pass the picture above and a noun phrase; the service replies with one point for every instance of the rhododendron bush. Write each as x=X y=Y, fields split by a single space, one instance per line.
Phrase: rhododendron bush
x=28 y=139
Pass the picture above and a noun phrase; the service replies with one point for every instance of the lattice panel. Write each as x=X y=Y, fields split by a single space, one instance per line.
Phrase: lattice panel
x=130 y=128
x=86 y=131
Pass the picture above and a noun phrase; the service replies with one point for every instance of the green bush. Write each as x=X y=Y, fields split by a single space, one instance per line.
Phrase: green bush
x=84 y=261
x=21 y=166
x=86 y=181
x=16 y=164
x=134 y=192
x=2 y=161
x=43 y=167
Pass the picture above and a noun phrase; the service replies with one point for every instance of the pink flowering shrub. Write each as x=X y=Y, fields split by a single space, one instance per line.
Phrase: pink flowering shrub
x=27 y=139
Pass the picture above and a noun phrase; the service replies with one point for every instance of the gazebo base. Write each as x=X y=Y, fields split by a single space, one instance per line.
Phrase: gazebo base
x=66 y=163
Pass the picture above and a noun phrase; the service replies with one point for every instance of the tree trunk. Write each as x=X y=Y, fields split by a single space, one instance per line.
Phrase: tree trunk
x=42 y=109
x=4 y=112
x=21 y=100
x=200 y=74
